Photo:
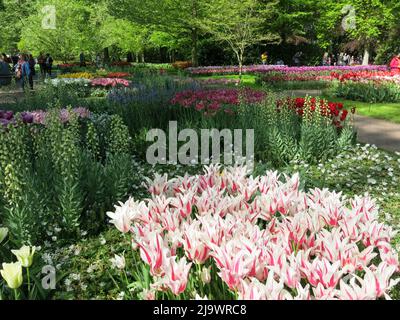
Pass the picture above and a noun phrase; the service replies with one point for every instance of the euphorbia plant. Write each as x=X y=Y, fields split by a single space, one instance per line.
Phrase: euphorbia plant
x=260 y=237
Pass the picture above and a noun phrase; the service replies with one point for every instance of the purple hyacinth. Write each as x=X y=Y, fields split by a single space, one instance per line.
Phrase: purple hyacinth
x=27 y=117
x=8 y=115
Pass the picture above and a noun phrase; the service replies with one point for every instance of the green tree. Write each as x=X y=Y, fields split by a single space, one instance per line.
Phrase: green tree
x=182 y=19
x=71 y=35
x=239 y=23
x=13 y=14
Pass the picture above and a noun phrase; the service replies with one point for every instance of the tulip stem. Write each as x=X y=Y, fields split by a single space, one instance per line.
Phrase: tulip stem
x=29 y=283
x=16 y=294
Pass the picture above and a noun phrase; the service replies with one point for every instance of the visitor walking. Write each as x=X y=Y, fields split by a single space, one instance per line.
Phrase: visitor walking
x=296 y=58
x=6 y=58
x=264 y=58
x=42 y=64
x=49 y=64
x=395 y=64
x=32 y=64
x=325 y=59
x=5 y=75
x=24 y=73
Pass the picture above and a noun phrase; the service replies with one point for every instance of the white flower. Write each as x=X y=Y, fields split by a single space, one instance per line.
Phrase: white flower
x=118 y=262
x=25 y=255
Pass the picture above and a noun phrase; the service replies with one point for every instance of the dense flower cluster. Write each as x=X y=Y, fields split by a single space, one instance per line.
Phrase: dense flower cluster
x=266 y=238
x=110 y=82
x=211 y=101
x=39 y=116
x=281 y=69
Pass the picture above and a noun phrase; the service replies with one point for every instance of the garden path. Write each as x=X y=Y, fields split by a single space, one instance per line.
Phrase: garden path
x=383 y=134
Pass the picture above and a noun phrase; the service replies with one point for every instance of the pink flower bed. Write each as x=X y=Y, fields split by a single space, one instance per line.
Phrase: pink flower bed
x=211 y=101
x=262 y=236
x=283 y=69
x=109 y=82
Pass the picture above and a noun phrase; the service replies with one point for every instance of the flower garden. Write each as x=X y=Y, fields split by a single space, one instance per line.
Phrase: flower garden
x=315 y=220
x=308 y=213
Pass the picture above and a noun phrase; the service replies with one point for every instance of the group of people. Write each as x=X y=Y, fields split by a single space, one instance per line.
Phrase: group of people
x=341 y=59
x=23 y=67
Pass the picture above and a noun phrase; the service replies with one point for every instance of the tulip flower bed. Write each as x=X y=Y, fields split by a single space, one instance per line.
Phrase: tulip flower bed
x=109 y=82
x=225 y=235
x=211 y=101
x=77 y=75
x=262 y=69
x=118 y=75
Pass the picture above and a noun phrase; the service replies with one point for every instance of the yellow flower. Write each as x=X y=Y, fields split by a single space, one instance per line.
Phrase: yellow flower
x=3 y=234
x=12 y=273
x=24 y=255
x=77 y=75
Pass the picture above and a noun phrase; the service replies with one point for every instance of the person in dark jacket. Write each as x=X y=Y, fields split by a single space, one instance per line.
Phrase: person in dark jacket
x=32 y=64
x=5 y=74
x=49 y=64
x=26 y=74
x=82 y=60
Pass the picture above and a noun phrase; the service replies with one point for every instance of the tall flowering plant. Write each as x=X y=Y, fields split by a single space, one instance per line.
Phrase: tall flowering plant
x=223 y=234
x=334 y=110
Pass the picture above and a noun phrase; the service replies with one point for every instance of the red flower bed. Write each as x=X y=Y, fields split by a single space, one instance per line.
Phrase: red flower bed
x=211 y=101
x=362 y=75
x=118 y=75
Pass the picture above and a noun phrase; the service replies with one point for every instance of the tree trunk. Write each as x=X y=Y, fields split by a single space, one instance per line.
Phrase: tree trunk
x=240 y=55
x=137 y=57
x=142 y=57
x=106 y=55
x=195 y=61
x=366 y=57
x=129 y=57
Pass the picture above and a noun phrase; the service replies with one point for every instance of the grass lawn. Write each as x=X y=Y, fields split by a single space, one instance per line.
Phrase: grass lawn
x=384 y=111
x=247 y=79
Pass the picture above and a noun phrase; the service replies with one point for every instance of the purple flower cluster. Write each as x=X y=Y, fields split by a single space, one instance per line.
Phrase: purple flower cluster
x=39 y=116
x=283 y=69
x=7 y=117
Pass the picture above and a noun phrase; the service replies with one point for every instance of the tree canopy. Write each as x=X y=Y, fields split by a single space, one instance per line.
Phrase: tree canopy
x=183 y=29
